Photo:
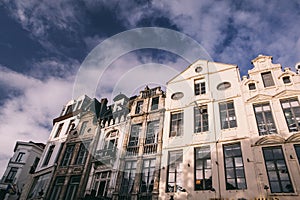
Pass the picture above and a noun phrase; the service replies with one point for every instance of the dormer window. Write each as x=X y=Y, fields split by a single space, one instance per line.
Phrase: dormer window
x=286 y=79
x=252 y=86
x=267 y=79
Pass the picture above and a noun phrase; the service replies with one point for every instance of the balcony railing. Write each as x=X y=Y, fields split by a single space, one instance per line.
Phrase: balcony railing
x=105 y=154
x=132 y=151
x=150 y=148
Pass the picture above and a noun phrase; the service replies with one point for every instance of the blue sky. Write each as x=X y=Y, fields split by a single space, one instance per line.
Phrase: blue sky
x=43 y=43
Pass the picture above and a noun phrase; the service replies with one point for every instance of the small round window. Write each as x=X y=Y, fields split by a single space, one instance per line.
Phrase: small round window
x=223 y=86
x=198 y=69
x=177 y=95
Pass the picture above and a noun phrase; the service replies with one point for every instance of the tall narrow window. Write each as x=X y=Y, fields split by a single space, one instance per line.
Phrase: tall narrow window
x=152 y=132
x=83 y=127
x=291 y=110
x=56 y=191
x=297 y=149
x=227 y=115
x=20 y=157
x=199 y=87
x=68 y=155
x=128 y=177
x=147 y=176
x=48 y=156
x=71 y=126
x=176 y=128
x=174 y=173
x=83 y=153
x=34 y=165
x=264 y=119
x=203 y=176
x=154 y=103
x=139 y=107
x=60 y=126
x=101 y=183
x=267 y=79
x=134 y=135
x=11 y=175
x=278 y=174
x=234 y=167
x=72 y=188
x=200 y=119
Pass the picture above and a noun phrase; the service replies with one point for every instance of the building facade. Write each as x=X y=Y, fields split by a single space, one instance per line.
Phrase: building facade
x=138 y=171
x=104 y=171
x=62 y=126
x=227 y=138
x=17 y=174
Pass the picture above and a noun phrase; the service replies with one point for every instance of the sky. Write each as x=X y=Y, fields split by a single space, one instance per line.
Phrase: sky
x=44 y=43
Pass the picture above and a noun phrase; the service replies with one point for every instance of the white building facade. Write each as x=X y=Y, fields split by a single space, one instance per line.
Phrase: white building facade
x=23 y=163
x=227 y=138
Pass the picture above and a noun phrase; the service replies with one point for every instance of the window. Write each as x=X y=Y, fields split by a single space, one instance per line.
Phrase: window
x=72 y=188
x=20 y=156
x=101 y=183
x=71 y=126
x=83 y=153
x=11 y=175
x=176 y=128
x=278 y=174
x=139 y=107
x=49 y=153
x=134 y=135
x=252 y=86
x=154 y=103
x=78 y=105
x=267 y=79
x=297 y=149
x=69 y=109
x=174 y=173
x=264 y=119
x=227 y=115
x=223 y=86
x=39 y=184
x=83 y=127
x=177 y=95
x=200 y=119
x=34 y=165
x=152 y=132
x=60 y=126
x=234 y=167
x=286 y=79
x=199 y=87
x=56 y=191
x=291 y=110
x=68 y=155
x=203 y=176
x=147 y=176
x=128 y=177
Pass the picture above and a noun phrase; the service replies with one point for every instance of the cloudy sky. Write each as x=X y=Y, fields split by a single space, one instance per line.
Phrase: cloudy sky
x=43 y=43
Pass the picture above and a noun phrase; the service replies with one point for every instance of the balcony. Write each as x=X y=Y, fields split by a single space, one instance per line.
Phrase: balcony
x=132 y=151
x=150 y=148
x=105 y=155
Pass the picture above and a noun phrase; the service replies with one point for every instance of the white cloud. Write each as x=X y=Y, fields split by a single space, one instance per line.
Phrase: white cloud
x=28 y=116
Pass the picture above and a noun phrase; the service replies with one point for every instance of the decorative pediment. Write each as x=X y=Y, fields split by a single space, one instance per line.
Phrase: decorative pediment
x=259 y=97
x=287 y=93
x=287 y=73
x=250 y=81
x=294 y=138
x=201 y=101
x=270 y=139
